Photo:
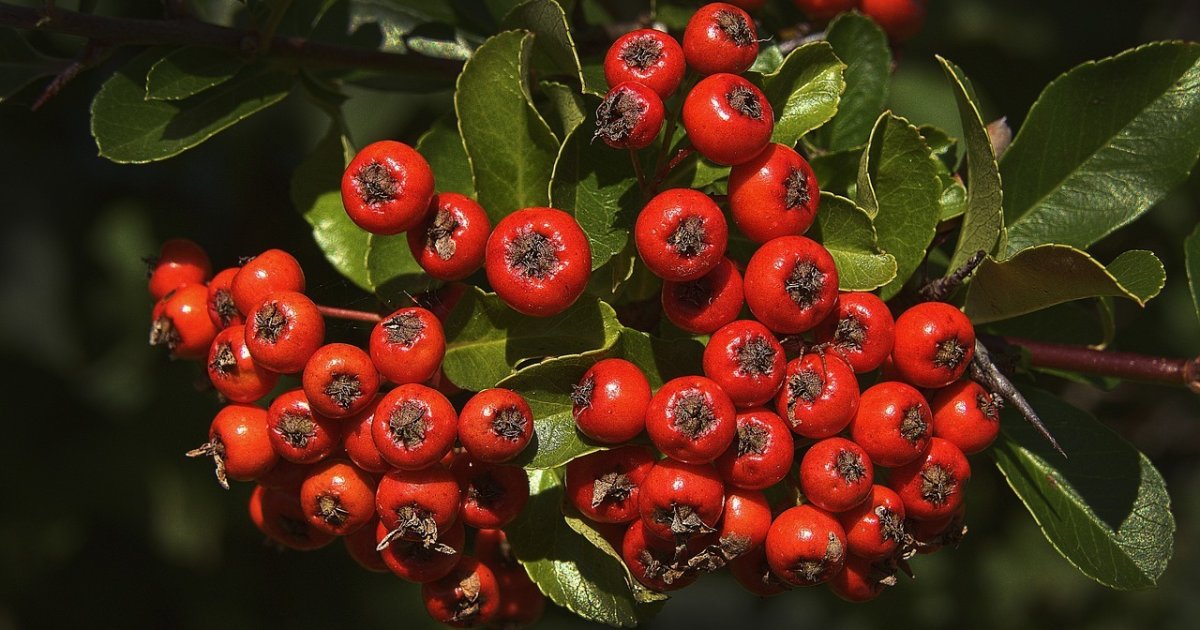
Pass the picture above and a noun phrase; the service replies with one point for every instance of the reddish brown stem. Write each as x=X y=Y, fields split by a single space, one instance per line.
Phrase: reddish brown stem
x=1124 y=365
x=350 y=314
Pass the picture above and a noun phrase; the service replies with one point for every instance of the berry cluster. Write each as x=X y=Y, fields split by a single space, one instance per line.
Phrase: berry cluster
x=337 y=455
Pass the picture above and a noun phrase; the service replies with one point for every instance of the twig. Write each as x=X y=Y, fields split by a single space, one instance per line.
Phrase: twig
x=941 y=288
x=637 y=168
x=350 y=314
x=985 y=372
x=91 y=55
x=1123 y=365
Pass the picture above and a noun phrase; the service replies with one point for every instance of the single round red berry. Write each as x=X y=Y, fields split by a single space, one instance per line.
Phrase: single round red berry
x=338 y=497
x=728 y=119
x=414 y=426
x=421 y=561
x=933 y=486
x=603 y=485
x=704 y=305
x=359 y=443
x=746 y=360
x=270 y=271
x=836 y=474
x=681 y=234
x=681 y=501
x=360 y=544
x=652 y=560
x=754 y=573
x=819 y=396
x=875 y=527
x=387 y=187
x=805 y=546
x=761 y=454
x=521 y=603
x=468 y=596
x=239 y=444
x=340 y=380
x=298 y=434
x=791 y=284
x=893 y=424
x=417 y=505
x=493 y=494
x=181 y=323
x=860 y=580
x=538 y=261
x=221 y=309
x=408 y=345
x=860 y=329
x=935 y=343
x=647 y=56
x=629 y=117
x=450 y=240
x=279 y=515
x=232 y=371
x=495 y=425
x=773 y=194
x=823 y=10
x=900 y=19
x=179 y=262
x=284 y=331
x=720 y=38
x=745 y=523
x=609 y=402
x=691 y=419
x=967 y=415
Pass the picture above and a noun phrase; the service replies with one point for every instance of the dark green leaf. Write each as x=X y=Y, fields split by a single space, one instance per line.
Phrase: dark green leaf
x=189 y=71
x=983 y=216
x=128 y=128
x=953 y=200
x=1102 y=144
x=1191 y=250
x=585 y=528
x=846 y=231
x=20 y=64
x=1105 y=509
x=1046 y=275
x=804 y=91
x=837 y=171
x=512 y=149
x=443 y=148
x=863 y=47
x=769 y=59
x=943 y=146
x=565 y=108
x=1082 y=323
x=553 y=47
x=392 y=271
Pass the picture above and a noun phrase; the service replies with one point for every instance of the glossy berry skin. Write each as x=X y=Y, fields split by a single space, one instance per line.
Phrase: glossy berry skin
x=360 y=544
x=387 y=187
x=521 y=603
x=823 y=10
x=630 y=116
x=967 y=415
x=179 y=262
x=181 y=323
x=340 y=380
x=746 y=360
x=416 y=561
x=893 y=424
x=221 y=309
x=604 y=486
x=933 y=486
x=646 y=56
x=338 y=497
x=270 y=271
x=858 y=581
x=359 y=443
x=495 y=425
x=773 y=194
x=761 y=454
x=728 y=119
x=720 y=38
x=609 y=403
x=805 y=546
x=231 y=370
x=417 y=505
x=649 y=558
x=681 y=501
x=279 y=515
x=284 y=331
x=239 y=444
x=702 y=306
x=836 y=474
x=754 y=574
x=791 y=284
x=414 y=426
x=860 y=330
x=408 y=345
x=819 y=396
x=935 y=343
x=450 y=240
x=745 y=523
x=298 y=434
x=681 y=234
x=468 y=596
x=900 y=19
x=538 y=261
x=875 y=527
x=493 y=494
x=691 y=419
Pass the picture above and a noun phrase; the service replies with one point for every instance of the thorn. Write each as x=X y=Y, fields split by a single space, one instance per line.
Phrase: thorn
x=984 y=371
x=938 y=290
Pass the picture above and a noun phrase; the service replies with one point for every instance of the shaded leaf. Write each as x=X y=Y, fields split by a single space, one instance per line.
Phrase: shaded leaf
x=837 y=171
x=189 y=71
x=565 y=108
x=21 y=64
x=553 y=46
x=804 y=91
x=863 y=47
x=443 y=148
x=585 y=528
x=393 y=272
x=846 y=231
x=1191 y=249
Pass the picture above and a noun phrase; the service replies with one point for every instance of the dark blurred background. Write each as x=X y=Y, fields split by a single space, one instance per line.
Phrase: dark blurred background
x=105 y=524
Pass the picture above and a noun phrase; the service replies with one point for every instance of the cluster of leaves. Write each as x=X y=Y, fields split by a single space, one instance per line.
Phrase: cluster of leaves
x=901 y=204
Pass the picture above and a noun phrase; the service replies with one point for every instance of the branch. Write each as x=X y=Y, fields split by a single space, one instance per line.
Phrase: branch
x=1123 y=365
x=350 y=314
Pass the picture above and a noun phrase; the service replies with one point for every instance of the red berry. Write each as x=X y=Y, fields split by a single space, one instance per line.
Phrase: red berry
x=609 y=403
x=900 y=19
x=604 y=485
x=836 y=474
x=182 y=324
x=468 y=596
x=720 y=38
x=270 y=271
x=967 y=415
x=791 y=284
x=387 y=187
x=702 y=306
x=408 y=345
x=360 y=544
x=762 y=453
x=652 y=58
x=652 y=560
x=538 y=261
x=823 y=10
x=805 y=546
x=221 y=309
x=935 y=343
x=233 y=372
x=414 y=427
x=179 y=262
x=239 y=444
x=860 y=580
x=681 y=234
x=338 y=497
x=629 y=117
x=278 y=514
x=745 y=523
x=359 y=443
x=284 y=475
x=284 y=331
x=298 y=434
x=495 y=425
x=773 y=194
x=875 y=527
x=893 y=424
x=931 y=535
x=417 y=505
x=933 y=486
x=691 y=419
x=754 y=574
x=449 y=242
x=819 y=395
x=681 y=501
x=493 y=494
x=728 y=119
x=521 y=603
x=860 y=329
x=746 y=360
x=340 y=380
x=419 y=561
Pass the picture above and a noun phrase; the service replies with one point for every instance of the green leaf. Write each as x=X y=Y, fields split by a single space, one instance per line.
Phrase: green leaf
x=130 y=129
x=392 y=272
x=487 y=341
x=567 y=108
x=1191 y=250
x=983 y=217
x=443 y=148
x=1105 y=509
x=837 y=171
x=585 y=528
x=899 y=189
x=189 y=71
x=512 y=149
x=804 y=91
x=1102 y=144
x=863 y=47
x=570 y=570
x=316 y=193
x=953 y=200
x=21 y=64
x=846 y=231
x=1082 y=323
x=553 y=47
x=769 y=59
x=1042 y=276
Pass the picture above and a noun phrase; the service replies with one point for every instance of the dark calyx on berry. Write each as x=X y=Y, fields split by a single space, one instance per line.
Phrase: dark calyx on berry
x=813 y=570
x=611 y=486
x=297 y=429
x=343 y=389
x=849 y=466
x=804 y=283
x=693 y=415
x=735 y=28
x=745 y=101
x=618 y=115
x=641 y=52
x=913 y=426
x=937 y=484
x=404 y=328
x=950 y=353
x=441 y=235
x=581 y=394
x=407 y=424
x=850 y=333
x=683 y=519
x=688 y=239
x=533 y=254
x=269 y=322
x=795 y=188
x=805 y=385
x=510 y=423
x=330 y=509
x=226 y=309
x=756 y=357
x=223 y=361
x=376 y=184
x=752 y=439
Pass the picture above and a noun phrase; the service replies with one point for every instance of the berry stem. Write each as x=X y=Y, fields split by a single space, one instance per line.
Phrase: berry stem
x=350 y=314
x=1123 y=365
x=637 y=168
x=669 y=130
